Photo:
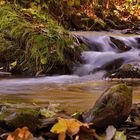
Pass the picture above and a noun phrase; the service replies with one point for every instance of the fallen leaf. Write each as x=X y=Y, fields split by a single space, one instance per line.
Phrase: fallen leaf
x=20 y=134
x=59 y=127
x=67 y=126
x=73 y=126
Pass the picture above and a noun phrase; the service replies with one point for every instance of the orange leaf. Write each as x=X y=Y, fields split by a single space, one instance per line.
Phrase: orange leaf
x=20 y=134
x=73 y=126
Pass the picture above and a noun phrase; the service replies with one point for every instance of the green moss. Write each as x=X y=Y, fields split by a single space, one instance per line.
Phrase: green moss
x=12 y=117
x=122 y=88
x=1 y=117
x=21 y=120
x=37 y=42
x=30 y=111
x=112 y=97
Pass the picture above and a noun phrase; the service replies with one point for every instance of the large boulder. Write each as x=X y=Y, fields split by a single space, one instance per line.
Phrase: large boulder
x=112 y=108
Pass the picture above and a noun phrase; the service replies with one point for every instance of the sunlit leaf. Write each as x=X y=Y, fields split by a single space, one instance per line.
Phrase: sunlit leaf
x=67 y=126
x=59 y=127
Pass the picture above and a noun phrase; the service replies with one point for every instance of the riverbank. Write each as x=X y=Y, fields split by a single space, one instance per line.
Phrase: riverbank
x=32 y=43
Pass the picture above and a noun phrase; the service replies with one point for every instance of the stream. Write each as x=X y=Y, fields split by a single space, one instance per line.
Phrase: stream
x=78 y=92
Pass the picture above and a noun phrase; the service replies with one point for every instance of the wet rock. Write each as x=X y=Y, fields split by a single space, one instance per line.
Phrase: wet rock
x=138 y=41
x=135 y=115
x=11 y=118
x=112 y=65
x=119 y=44
x=112 y=108
x=126 y=71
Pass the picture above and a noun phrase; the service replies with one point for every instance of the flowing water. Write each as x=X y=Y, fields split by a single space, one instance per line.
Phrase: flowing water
x=77 y=92
x=104 y=51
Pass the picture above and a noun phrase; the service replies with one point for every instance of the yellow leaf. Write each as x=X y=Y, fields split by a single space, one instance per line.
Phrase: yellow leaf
x=59 y=127
x=67 y=126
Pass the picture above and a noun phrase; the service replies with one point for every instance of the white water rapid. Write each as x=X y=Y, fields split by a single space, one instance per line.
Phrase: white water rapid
x=107 y=50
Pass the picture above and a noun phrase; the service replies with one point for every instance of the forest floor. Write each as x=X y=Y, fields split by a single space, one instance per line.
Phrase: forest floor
x=23 y=32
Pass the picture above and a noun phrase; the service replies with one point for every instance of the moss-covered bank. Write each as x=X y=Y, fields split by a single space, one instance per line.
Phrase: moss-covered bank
x=32 y=43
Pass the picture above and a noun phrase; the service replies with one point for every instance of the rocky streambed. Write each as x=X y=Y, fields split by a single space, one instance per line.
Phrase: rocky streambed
x=118 y=55
x=42 y=100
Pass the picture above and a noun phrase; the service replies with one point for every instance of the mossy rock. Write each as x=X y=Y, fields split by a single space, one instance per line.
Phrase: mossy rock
x=112 y=108
x=131 y=70
x=13 y=118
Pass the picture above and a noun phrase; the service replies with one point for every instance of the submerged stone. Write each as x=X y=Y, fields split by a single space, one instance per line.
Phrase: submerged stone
x=112 y=108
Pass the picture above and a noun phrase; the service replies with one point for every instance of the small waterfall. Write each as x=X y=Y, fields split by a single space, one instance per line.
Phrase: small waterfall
x=107 y=51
